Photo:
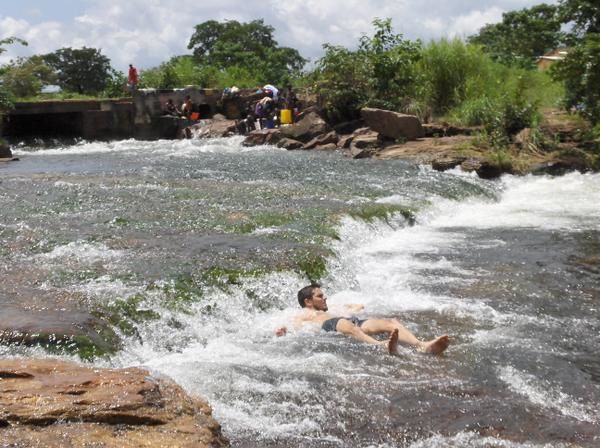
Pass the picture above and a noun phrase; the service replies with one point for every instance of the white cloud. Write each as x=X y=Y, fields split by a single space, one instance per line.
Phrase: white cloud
x=148 y=32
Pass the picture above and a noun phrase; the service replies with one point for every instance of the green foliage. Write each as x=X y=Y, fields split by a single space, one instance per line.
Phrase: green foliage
x=26 y=76
x=584 y=15
x=84 y=70
x=449 y=69
x=6 y=96
x=10 y=41
x=522 y=35
x=580 y=73
x=115 y=84
x=249 y=46
x=381 y=73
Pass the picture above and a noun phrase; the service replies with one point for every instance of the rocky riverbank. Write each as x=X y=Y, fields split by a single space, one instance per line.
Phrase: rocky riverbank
x=556 y=147
x=49 y=403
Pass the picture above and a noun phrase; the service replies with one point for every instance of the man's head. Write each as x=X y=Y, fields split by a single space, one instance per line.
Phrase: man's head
x=312 y=297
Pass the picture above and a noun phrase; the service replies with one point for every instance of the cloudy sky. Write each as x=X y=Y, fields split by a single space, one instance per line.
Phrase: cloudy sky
x=148 y=32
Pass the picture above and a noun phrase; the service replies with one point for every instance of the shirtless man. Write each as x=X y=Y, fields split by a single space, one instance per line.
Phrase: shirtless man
x=314 y=304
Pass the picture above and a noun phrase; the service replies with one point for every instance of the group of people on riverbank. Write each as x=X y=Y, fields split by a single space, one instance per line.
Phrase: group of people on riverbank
x=272 y=109
x=186 y=110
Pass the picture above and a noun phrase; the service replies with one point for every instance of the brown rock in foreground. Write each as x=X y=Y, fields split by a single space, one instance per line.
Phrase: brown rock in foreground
x=48 y=403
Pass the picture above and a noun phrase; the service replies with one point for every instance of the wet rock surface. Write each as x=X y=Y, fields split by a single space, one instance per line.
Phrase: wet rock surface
x=47 y=403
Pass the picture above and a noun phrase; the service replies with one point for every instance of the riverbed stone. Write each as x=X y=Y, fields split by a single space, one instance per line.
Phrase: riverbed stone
x=34 y=317
x=365 y=145
x=308 y=128
x=391 y=124
x=447 y=163
x=289 y=144
x=263 y=137
x=327 y=147
x=50 y=403
x=214 y=128
x=325 y=139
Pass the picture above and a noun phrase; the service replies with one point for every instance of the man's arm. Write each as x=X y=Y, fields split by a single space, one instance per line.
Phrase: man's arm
x=296 y=324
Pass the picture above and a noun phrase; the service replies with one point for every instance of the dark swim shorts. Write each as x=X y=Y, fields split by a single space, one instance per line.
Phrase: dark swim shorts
x=331 y=324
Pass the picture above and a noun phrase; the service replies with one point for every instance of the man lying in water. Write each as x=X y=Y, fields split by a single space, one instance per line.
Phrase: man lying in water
x=314 y=304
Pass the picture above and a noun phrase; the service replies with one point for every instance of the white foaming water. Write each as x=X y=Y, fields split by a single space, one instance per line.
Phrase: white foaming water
x=546 y=395
x=82 y=252
x=569 y=202
x=171 y=148
x=474 y=440
x=230 y=355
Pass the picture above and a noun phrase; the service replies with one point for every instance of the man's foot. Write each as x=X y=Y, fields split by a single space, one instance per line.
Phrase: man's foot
x=392 y=343
x=434 y=346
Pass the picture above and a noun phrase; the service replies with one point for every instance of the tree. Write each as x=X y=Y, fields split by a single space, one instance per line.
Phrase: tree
x=27 y=76
x=84 y=70
x=381 y=73
x=584 y=15
x=249 y=46
x=580 y=71
x=5 y=94
x=522 y=35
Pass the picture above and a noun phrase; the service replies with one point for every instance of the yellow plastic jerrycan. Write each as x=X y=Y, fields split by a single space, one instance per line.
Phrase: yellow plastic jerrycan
x=286 y=116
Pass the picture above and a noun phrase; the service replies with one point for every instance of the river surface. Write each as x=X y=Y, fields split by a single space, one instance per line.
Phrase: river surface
x=510 y=269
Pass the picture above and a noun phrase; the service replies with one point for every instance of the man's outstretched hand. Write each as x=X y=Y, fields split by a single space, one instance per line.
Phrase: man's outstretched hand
x=281 y=331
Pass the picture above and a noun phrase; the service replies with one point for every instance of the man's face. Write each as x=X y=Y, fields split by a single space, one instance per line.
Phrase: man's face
x=318 y=301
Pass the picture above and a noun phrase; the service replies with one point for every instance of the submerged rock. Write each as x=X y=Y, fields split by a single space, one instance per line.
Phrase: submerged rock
x=55 y=404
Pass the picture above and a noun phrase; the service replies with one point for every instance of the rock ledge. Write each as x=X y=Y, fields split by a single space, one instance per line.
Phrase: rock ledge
x=49 y=403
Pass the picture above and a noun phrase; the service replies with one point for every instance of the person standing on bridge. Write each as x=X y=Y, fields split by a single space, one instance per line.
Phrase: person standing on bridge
x=132 y=80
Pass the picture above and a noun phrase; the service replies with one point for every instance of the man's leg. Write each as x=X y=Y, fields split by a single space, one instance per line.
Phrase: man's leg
x=347 y=328
x=377 y=326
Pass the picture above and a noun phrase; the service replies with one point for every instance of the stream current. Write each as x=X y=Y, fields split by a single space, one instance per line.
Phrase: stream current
x=510 y=269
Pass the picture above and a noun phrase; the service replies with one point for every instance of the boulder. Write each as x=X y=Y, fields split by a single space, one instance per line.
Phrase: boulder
x=447 y=163
x=444 y=130
x=327 y=147
x=5 y=152
x=365 y=145
x=325 y=139
x=51 y=403
x=309 y=127
x=289 y=144
x=344 y=141
x=348 y=127
x=393 y=124
x=263 y=137
x=214 y=128
x=470 y=164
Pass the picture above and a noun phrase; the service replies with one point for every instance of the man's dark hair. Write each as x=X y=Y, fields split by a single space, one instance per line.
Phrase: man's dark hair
x=306 y=293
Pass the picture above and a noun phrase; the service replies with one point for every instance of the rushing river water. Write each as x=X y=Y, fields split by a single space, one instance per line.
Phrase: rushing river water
x=509 y=269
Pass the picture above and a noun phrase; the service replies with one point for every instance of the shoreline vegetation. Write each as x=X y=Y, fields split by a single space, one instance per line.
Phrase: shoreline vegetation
x=488 y=84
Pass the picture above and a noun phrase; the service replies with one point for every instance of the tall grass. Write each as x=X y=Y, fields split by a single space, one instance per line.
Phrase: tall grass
x=463 y=85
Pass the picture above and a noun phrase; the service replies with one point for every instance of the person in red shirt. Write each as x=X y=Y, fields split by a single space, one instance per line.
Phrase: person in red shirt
x=132 y=80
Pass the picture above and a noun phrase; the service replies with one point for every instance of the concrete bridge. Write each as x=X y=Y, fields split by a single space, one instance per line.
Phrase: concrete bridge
x=138 y=117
